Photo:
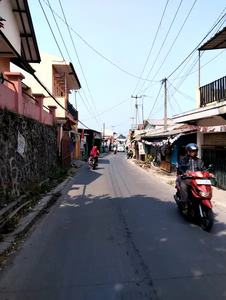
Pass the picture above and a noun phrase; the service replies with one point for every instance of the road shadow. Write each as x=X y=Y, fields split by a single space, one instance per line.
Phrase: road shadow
x=164 y=241
x=102 y=161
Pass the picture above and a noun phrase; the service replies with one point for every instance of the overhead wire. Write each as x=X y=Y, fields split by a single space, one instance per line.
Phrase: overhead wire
x=97 y=52
x=37 y=79
x=177 y=102
x=182 y=26
x=111 y=108
x=155 y=101
x=78 y=59
x=172 y=22
x=172 y=109
x=219 y=17
x=200 y=67
x=153 y=43
x=213 y=27
x=183 y=94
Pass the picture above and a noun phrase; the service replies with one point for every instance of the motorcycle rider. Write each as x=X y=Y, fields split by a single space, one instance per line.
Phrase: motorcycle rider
x=94 y=153
x=189 y=163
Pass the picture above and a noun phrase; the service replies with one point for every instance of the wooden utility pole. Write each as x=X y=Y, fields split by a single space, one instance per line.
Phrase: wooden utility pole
x=136 y=106
x=199 y=68
x=103 y=130
x=165 y=105
x=132 y=122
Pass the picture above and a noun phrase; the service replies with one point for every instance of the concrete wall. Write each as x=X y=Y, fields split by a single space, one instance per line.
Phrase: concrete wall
x=60 y=112
x=11 y=30
x=17 y=173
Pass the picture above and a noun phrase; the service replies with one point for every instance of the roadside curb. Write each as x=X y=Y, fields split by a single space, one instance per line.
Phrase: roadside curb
x=8 y=245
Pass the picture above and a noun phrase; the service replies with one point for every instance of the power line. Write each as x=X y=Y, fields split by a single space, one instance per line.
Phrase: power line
x=160 y=23
x=59 y=31
x=112 y=63
x=172 y=109
x=37 y=79
x=111 y=108
x=175 y=100
x=50 y=94
x=155 y=101
x=163 y=41
x=196 y=47
x=78 y=57
x=176 y=38
x=201 y=66
x=63 y=43
x=219 y=17
x=183 y=94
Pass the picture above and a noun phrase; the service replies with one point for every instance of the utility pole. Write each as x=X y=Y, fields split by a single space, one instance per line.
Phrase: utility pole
x=199 y=68
x=165 y=105
x=103 y=130
x=76 y=101
x=132 y=121
x=136 y=106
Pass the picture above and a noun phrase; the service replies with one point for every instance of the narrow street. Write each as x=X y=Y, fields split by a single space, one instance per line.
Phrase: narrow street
x=115 y=233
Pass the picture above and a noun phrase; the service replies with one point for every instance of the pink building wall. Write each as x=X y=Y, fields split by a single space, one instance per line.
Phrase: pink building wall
x=13 y=98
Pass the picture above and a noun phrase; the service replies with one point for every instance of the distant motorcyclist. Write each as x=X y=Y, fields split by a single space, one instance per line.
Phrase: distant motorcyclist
x=94 y=153
x=189 y=163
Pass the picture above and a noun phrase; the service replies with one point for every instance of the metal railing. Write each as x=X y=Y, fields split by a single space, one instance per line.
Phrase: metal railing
x=2 y=79
x=33 y=98
x=72 y=110
x=30 y=96
x=213 y=92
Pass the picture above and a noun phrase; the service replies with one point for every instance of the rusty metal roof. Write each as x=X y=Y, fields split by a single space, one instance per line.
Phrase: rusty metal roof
x=216 y=42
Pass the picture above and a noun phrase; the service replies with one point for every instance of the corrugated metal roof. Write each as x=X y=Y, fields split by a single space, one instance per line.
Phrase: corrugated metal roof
x=167 y=133
x=216 y=42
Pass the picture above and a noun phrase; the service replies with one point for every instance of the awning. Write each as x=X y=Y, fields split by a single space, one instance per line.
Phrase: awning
x=63 y=69
x=29 y=47
x=216 y=42
x=166 y=133
x=15 y=57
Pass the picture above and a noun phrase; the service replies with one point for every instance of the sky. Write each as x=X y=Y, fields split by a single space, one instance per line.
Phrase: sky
x=124 y=31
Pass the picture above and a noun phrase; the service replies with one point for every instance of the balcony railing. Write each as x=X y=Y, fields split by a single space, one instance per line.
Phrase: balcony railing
x=72 y=111
x=213 y=92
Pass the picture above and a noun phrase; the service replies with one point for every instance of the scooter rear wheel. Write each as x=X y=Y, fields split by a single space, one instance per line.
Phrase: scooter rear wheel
x=208 y=219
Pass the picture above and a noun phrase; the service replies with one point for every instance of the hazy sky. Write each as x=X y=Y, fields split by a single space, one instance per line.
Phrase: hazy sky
x=123 y=31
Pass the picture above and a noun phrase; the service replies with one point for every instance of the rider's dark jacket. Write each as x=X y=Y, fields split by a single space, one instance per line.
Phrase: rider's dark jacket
x=190 y=164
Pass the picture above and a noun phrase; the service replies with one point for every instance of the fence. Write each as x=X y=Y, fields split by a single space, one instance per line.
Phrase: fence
x=14 y=98
x=217 y=157
x=214 y=91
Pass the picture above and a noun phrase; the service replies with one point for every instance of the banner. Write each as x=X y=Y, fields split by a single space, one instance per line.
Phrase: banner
x=163 y=142
x=21 y=145
x=141 y=148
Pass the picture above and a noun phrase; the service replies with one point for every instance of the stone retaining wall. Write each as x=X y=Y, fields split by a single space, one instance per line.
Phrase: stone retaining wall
x=17 y=173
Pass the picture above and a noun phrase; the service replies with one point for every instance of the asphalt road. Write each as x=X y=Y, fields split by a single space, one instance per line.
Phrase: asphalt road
x=116 y=234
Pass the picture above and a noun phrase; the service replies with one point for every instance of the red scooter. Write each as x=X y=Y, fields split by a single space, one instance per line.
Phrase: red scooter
x=199 y=200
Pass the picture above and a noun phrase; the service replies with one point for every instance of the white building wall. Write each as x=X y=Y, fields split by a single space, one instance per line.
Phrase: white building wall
x=11 y=30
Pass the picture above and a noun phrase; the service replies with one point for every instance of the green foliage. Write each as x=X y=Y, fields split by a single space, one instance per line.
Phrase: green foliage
x=149 y=158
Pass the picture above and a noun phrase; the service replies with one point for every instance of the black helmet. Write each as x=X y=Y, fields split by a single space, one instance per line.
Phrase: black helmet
x=191 y=147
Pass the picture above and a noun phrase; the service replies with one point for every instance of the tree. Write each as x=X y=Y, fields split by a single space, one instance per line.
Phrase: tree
x=121 y=136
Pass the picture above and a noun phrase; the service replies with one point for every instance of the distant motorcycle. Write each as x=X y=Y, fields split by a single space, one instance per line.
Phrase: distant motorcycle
x=93 y=162
x=199 y=201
